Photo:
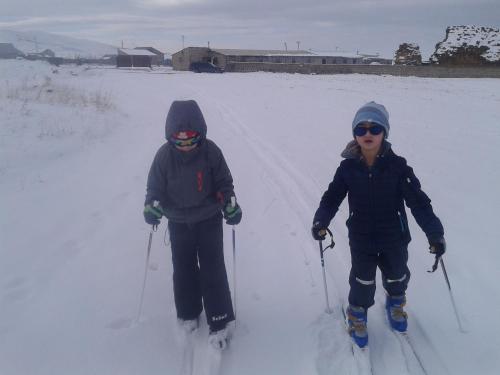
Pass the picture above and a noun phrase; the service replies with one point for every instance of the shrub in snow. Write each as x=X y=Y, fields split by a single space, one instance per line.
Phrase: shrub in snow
x=408 y=54
x=44 y=91
x=468 y=45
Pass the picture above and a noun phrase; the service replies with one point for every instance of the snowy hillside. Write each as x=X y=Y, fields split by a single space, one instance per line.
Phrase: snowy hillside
x=474 y=36
x=75 y=149
x=63 y=46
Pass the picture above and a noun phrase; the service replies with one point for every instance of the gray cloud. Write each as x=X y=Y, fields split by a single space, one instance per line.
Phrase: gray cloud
x=366 y=25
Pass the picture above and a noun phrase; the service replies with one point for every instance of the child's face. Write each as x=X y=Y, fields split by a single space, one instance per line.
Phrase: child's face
x=369 y=141
x=186 y=140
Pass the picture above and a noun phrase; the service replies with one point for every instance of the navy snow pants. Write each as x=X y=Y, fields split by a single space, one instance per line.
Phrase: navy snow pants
x=395 y=274
x=199 y=271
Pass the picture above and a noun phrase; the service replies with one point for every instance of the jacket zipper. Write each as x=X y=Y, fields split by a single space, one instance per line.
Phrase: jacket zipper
x=401 y=222
x=370 y=184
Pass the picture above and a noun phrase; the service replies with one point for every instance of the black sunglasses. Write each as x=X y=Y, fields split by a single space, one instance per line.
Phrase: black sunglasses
x=360 y=131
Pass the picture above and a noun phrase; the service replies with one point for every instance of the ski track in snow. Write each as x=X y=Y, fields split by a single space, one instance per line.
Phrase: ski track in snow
x=289 y=184
x=75 y=276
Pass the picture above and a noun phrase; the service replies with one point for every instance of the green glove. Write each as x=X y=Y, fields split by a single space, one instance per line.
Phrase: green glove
x=232 y=214
x=153 y=213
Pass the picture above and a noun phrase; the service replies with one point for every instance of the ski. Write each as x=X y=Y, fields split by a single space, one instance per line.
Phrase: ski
x=192 y=349
x=187 y=364
x=414 y=363
x=214 y=360
x=361 y=355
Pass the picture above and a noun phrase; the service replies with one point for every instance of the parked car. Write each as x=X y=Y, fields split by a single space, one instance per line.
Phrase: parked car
x=205 y=67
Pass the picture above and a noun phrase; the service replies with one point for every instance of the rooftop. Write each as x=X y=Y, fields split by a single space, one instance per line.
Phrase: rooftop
x=135 y=52
x=258 y=52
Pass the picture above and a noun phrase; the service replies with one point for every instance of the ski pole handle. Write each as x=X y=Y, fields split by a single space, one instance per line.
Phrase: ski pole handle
x=332 y=242
x=154 y=227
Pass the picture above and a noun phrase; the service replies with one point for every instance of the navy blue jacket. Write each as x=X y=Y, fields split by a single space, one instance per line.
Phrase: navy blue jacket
x=377 y=218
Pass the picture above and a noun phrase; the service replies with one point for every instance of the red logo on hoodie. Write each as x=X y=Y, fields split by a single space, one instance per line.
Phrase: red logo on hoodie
x=199 y=178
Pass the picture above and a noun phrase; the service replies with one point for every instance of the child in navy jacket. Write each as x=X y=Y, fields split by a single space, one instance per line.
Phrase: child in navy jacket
x=377 y=183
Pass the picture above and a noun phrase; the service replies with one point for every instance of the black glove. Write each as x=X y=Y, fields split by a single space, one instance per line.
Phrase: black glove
x=232 y=214
x=437 y=247
x=318 y=231
x=153 y=213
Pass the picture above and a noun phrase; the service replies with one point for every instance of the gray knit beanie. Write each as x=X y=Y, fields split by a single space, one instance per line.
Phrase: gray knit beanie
x=372 y=112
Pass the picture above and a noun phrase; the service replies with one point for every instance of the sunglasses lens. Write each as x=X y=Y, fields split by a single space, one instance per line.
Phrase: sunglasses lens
x=376 y=130
x=360 y=131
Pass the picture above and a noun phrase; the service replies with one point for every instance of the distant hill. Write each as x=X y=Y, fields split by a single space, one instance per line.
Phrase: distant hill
x=63 y=46
x=468 y=45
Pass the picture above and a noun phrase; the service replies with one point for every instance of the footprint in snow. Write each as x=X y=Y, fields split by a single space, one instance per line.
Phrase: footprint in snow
x=121 y=323
x=16 y=290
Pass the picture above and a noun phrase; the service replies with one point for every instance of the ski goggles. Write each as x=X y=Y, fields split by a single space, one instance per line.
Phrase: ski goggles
x=185 y=139
x=361 y=130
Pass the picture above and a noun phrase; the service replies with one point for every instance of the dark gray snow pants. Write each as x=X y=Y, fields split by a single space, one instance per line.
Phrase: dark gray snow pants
x=199 y=271
x=395 y=274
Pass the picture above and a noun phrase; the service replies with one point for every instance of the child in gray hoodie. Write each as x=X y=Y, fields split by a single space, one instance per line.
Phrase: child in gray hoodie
x=194 y=187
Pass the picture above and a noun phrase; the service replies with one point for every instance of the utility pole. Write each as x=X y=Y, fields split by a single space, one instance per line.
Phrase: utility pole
x=208 y=44
x=286 y=47
x=182 y=41
x=298 y=45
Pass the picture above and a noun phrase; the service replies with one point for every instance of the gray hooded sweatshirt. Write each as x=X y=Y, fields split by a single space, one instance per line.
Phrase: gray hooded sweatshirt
x=191 y=186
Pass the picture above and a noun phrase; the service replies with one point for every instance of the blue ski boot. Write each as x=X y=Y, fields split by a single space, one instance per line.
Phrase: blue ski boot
x=395 y=313
x=356 y=319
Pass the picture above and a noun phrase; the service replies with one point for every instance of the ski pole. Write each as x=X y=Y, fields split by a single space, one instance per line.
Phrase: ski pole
x=321 y=251
x=451 y=295
x=153 y=229
x=233 y=203
x=439 y=260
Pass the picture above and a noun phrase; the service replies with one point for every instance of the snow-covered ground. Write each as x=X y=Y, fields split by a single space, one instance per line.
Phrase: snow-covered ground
x=75 y=149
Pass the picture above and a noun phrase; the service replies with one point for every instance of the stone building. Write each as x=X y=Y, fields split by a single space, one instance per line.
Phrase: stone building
x=129 y=58
x=159 y=57
x=8 y=51
x=222 y=58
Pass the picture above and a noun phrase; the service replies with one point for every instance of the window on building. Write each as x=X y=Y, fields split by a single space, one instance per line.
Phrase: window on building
x=323 y=61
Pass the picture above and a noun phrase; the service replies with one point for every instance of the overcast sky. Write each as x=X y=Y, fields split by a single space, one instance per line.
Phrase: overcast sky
x=323 y=25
